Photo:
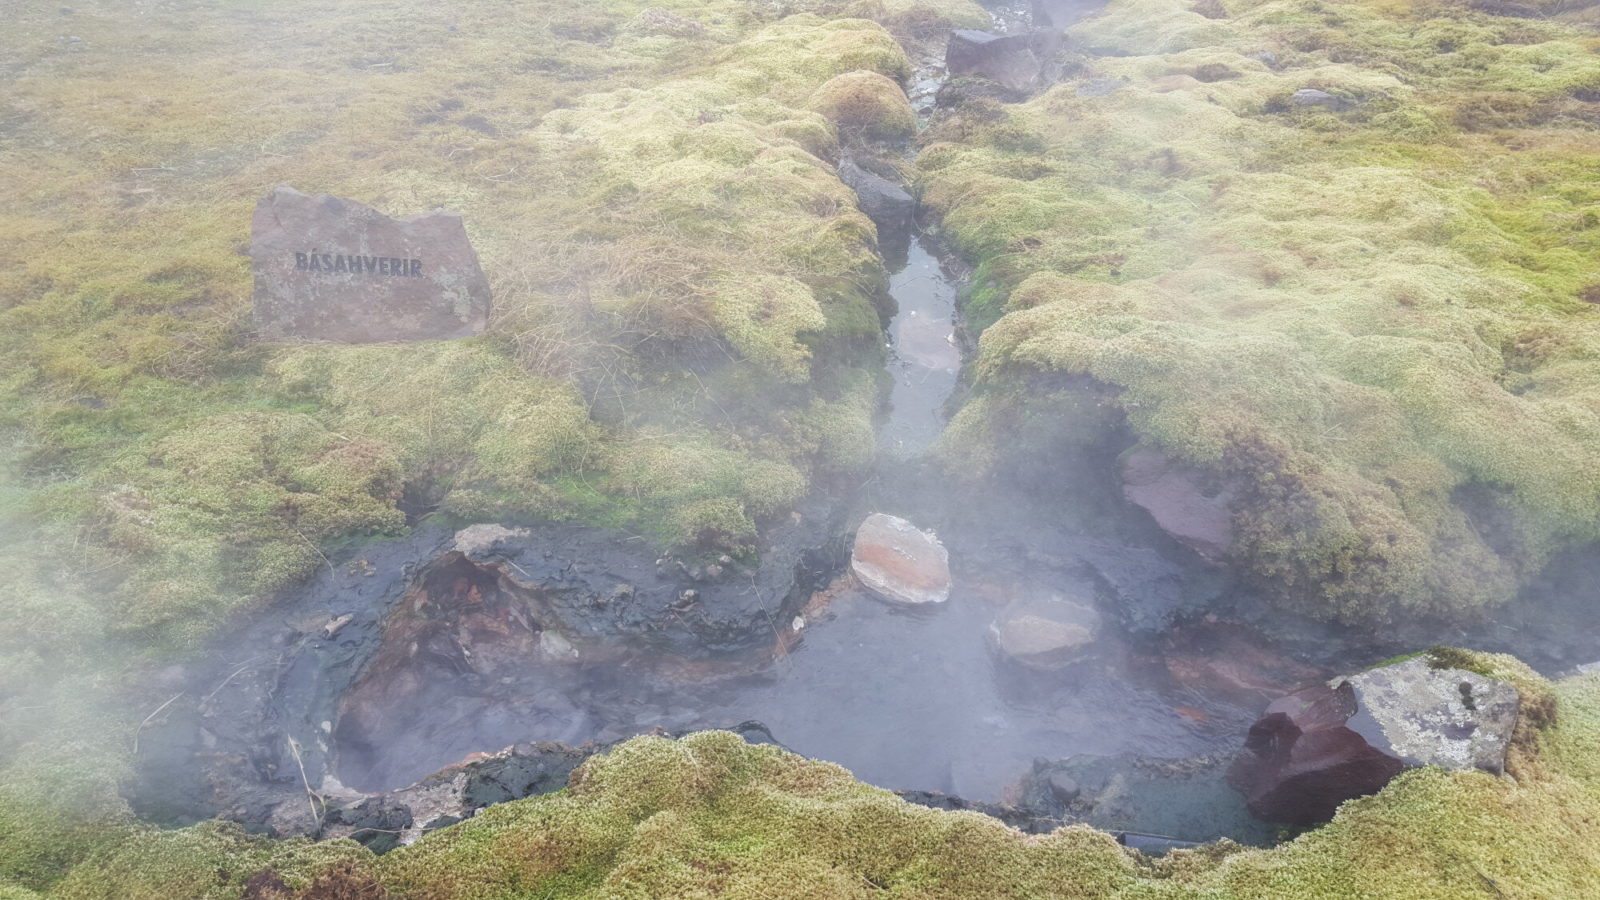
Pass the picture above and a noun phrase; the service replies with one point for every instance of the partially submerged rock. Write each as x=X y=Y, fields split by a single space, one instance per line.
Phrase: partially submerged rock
x=1232 y=662
x=1180 y=501
x=1022 y=63
x=1321 y=746
x=332 y=269
x=1046 y=632
x=898 y=562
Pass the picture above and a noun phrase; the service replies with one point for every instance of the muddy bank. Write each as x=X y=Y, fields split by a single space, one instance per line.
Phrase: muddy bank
x=255 y=724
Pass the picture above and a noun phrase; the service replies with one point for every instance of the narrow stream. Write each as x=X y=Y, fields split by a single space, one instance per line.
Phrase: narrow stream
x=924 y=359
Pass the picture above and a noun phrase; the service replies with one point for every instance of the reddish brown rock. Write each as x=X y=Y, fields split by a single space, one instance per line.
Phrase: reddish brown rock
x=898 y=562
x=1300 y=761
x=331 y=269
x=1196 y=514
x=1231 y=662
x=1321 y=746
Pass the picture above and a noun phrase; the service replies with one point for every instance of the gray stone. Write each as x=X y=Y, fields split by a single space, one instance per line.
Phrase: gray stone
x=478 y=542
x=1047 y=632
x=898 y=562
x=886 y=203
x=1063 y=787
x=1313 y=97
x=332 y=269
x=1435 y=717
x=1022 y=63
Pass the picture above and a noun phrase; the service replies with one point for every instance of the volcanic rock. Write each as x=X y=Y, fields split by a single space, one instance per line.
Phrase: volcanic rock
x=1180 y=502
x=898 y=562
x=1044 y=632
x=332 y=269
x=1022 y=63
x=1321 y=746
x=886 y=203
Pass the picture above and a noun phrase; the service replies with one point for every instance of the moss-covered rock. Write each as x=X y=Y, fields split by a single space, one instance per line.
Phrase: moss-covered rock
x=865 y=104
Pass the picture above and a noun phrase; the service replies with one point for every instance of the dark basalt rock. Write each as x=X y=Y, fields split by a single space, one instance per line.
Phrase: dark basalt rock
x=331 y=269
x=1022 y=63
x=886 y=203
x=1321 y=746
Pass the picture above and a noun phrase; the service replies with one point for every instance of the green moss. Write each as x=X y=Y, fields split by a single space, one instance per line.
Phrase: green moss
x=664 y=198
x=866 y=104
x=58 y=806
x=211 y=860
x=1368 y=319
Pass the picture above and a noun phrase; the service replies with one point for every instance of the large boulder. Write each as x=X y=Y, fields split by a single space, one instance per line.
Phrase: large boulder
x=1197 y=514
x=1022 y=63
x=1321 y=746
x=331 y=269
x=1044 y=632
x=896 y=561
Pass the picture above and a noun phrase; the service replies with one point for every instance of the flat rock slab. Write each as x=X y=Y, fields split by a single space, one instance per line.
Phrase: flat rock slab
x=1436 y=717
x=331 y=269
x=1177 y=498
x=896 y=561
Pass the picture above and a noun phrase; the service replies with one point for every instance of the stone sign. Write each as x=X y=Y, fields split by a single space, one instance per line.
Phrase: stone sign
x=332 y=269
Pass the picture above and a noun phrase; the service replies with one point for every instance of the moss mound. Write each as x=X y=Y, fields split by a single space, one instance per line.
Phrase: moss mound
x=866 y=104
x=1367 y=315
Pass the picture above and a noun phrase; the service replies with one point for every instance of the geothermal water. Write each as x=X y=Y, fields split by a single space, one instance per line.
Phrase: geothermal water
x=910 y=699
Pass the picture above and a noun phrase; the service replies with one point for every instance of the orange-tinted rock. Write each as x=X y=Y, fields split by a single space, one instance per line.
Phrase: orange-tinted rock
x=896 y=561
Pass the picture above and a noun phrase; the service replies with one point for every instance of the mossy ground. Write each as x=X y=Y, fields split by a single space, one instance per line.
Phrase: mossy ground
x=709 y=815
x=1377 y=321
